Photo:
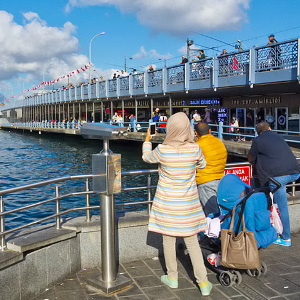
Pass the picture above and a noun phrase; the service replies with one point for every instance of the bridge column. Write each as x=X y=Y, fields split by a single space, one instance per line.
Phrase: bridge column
x=102 y=117
x=215 y=78
x=164 y=80
x=118 y=87
x=93 y=116
x=135 y=107
x=252 y=67
x=170 y=104
x=187 y=77
x=130 y=85
x=146 y=81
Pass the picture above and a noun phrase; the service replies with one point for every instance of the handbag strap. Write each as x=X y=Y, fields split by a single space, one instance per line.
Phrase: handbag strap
x=232 y=219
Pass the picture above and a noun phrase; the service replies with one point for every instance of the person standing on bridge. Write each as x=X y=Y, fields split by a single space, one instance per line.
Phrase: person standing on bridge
x=273 y=158
x=208 y=178
x=176 y=209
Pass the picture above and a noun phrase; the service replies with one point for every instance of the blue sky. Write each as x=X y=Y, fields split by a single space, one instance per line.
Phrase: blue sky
x=51 y=38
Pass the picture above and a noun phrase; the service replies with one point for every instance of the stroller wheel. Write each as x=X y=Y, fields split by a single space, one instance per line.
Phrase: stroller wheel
x=263 y=267
x=254 y=272
x=226 y=279
x=237 y=277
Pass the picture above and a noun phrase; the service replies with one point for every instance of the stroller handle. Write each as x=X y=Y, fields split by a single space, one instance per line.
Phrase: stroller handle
x=278 y=184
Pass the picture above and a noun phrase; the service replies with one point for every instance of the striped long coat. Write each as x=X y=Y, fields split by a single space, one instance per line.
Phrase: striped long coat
x=176 y=209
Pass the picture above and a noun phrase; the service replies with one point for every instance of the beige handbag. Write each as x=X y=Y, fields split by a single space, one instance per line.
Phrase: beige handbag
x=239 y=252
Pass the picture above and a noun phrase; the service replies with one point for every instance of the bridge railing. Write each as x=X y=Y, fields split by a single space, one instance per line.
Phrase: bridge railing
x=277 y=56
x=201 y=69
x=234 y=63
x=254 y=62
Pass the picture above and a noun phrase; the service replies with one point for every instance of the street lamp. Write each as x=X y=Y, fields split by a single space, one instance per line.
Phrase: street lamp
x=101 y=33
x=125 y=65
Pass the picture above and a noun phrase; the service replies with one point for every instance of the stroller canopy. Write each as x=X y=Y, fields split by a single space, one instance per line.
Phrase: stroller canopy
x=230 y=190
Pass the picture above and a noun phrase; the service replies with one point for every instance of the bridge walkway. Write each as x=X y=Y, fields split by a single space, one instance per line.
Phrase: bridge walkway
x=236 y=148
x=282 y=280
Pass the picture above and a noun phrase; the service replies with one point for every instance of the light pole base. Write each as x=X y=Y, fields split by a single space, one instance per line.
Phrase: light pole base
x=108 y=288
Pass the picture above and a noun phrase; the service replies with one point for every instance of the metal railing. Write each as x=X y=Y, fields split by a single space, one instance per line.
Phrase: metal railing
x=60 y=196
x=87 y=193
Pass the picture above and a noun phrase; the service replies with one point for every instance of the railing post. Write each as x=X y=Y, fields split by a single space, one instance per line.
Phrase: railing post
x=2 y=225
x=220 y=133
x=298 y=61
x=294 y=189
x=57 y=206
x=149 y=193
x=88 y=211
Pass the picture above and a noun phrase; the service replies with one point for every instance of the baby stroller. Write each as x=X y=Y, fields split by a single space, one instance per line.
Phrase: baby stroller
x=253 y=204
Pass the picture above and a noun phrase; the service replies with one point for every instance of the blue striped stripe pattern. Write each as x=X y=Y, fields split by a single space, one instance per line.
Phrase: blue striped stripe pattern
x=176 y=209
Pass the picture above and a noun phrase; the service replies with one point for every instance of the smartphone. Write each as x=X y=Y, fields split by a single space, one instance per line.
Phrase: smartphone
x=152 y=129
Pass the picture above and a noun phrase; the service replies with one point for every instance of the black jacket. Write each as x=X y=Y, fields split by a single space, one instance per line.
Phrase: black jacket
x=272 y=156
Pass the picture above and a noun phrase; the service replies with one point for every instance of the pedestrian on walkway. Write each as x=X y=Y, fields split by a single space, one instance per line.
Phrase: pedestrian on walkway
x=176 y=209
x=208 y=178
x=273 y=158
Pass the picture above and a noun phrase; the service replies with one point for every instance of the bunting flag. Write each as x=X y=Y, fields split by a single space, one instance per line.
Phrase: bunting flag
x=85 y=67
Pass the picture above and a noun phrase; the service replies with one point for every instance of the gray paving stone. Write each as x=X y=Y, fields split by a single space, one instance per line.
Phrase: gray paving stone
x=71 y=295
x=294 y=278
x=139 y=271
x=284 y=287
x=148 y=281
x=137 y=297
x=68 y=285
x=293 y=297
x=249 y=292
x=49 y=294
x=193 y=294
x=137 y=263
x=133 y=291
x=259 y=286
x=161 y=292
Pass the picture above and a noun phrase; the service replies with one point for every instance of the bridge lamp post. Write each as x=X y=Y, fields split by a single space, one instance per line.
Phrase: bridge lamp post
x=90 y=52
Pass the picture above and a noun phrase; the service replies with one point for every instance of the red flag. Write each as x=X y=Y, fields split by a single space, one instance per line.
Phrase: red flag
x=82 y=69
x=85 y=66
x=78 y=71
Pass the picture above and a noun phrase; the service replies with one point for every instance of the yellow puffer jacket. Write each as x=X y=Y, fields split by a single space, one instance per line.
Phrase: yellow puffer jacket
x=215 y=155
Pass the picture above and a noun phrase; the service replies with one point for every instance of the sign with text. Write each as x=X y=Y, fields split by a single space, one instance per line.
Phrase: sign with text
x=244 y=172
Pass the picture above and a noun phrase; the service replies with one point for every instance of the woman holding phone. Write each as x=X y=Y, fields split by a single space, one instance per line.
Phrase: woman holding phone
x=176 y=209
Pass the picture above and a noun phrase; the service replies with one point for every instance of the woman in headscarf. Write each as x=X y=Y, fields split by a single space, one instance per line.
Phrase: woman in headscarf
x=176 y=209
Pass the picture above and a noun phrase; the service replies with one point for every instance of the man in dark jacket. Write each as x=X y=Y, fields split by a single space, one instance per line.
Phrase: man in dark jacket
x=274 y=158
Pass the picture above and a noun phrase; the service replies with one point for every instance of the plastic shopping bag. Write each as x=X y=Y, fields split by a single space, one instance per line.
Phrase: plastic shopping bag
x=275 y=217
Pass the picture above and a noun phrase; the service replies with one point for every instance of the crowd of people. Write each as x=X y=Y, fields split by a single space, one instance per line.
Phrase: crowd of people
x=190 y=168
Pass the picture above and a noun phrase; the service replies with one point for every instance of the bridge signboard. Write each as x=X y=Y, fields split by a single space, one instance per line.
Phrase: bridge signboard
x=244 y=172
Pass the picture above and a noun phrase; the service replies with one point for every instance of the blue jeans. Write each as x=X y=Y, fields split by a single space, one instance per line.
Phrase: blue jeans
x=281 y=199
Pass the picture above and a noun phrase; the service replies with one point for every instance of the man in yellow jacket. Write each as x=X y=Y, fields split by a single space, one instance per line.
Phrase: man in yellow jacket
x=209 y=177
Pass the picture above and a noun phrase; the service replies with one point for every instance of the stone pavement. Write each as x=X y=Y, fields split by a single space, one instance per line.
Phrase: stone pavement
x=282 y=280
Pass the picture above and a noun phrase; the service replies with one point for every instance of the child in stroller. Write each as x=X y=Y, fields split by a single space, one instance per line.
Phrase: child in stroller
x=253 y=204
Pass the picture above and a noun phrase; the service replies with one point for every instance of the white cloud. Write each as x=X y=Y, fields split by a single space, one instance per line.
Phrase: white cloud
x=33 y=48
x=179 y=16
x=143 y=53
